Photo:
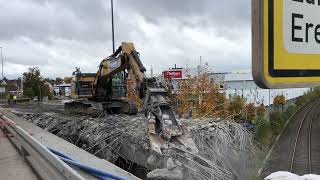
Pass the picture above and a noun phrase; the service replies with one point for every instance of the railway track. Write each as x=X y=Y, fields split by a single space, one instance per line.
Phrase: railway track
x=301 y=158
x=298 y=148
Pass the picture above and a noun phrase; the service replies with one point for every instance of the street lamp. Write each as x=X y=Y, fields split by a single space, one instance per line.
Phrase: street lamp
x=1 y=62
x=113 y=48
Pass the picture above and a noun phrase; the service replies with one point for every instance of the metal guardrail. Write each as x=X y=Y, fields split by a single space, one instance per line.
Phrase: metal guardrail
x=45 y=164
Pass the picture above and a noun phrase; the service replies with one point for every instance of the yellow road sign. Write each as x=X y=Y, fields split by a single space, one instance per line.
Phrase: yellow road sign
x=286 y=43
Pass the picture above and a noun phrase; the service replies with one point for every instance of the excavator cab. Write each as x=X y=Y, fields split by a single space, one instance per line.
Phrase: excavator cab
x=110 y=84
x=119 y=85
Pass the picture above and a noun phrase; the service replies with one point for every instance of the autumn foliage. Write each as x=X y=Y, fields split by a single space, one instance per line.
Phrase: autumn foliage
x=261 y=110
x=200 y=97
x=251 y=111
x=279 y=100
x=237 y=107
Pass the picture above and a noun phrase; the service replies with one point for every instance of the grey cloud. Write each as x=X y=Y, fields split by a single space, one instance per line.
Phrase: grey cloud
x=47 y=20
x=78 y=32
x=90 y=20
x=219 y=12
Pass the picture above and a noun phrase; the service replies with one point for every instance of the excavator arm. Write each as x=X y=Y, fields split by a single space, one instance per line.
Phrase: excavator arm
x=163 y=126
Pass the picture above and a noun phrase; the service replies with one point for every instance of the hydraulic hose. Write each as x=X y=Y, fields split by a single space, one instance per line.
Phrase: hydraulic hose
x=59 y=153
x=62 y=155
x=94 y=171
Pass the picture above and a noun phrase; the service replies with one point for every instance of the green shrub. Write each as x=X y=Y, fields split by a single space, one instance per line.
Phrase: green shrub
x=264 y=132
x=291 y=109
x=29 y=93
x=308 y=96
x=277 y=120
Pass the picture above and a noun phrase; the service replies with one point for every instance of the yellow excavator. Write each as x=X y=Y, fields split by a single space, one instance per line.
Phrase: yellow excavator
x=109 y=94
x=109 y=86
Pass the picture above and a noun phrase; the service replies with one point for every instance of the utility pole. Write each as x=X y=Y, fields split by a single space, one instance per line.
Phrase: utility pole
x=151 y=71
x=1 y=62
x=40 y=99
x=269 y=103
x=21 y=89
x=113 y=48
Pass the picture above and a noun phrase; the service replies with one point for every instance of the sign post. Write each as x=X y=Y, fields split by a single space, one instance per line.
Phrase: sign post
x=286 y=43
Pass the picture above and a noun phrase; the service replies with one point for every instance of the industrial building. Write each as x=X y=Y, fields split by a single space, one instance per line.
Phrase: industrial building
x=244 y=85
x=233 y=84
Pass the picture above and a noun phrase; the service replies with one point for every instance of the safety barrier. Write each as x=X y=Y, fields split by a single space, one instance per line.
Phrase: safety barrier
x=45 y=164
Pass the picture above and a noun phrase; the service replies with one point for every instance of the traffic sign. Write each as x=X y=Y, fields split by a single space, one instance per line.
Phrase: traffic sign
x=286 y=43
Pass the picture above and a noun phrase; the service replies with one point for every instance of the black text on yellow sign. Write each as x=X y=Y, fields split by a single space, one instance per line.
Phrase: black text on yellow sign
x=286 y=43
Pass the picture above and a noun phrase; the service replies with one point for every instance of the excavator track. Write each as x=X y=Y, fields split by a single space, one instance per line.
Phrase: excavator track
x=95 y=108
x=120 y=107
x=83 y=108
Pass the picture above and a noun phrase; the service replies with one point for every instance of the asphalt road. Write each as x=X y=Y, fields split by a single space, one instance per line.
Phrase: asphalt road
x=35 y=107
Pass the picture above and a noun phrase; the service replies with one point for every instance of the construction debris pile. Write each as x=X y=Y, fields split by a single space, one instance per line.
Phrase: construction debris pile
x=100 y=136
x=225 y=148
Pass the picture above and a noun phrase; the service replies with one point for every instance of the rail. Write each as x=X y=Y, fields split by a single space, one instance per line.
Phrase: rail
x=276 y=160
x=297 y=138
x=304 y=135
x=45 y=164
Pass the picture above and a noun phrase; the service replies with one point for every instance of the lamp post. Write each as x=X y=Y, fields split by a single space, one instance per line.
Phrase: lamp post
x=113 y=48
x=1 y=63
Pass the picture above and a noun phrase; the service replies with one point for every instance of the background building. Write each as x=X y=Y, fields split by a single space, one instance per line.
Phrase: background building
x=10 y=86
x=233 y=84
x=244 y=85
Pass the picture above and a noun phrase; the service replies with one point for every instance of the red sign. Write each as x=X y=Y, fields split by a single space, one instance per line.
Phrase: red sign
x=172 y=74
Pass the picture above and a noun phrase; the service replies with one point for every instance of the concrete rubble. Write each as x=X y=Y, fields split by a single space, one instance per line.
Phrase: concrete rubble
x=225 y=148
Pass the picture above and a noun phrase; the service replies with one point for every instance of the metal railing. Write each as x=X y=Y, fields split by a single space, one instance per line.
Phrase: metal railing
x=45 y=164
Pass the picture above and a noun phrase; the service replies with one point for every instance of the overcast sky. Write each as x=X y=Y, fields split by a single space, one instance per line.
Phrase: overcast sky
x=58 y=35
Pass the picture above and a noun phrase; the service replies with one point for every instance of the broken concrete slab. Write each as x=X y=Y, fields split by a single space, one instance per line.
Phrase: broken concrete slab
x=224 y=147
x=53 y=141
x=166 y=174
